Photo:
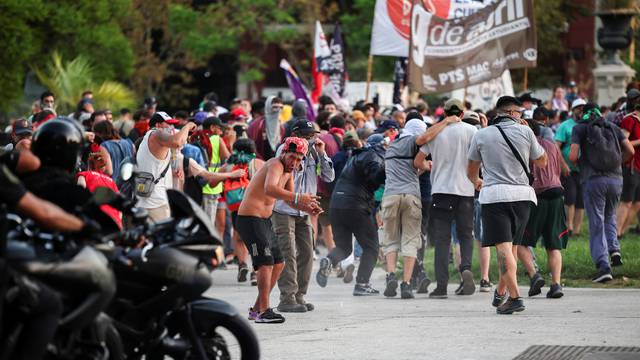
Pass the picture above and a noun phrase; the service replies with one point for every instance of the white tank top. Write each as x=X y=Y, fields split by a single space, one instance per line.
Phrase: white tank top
x=149 y=163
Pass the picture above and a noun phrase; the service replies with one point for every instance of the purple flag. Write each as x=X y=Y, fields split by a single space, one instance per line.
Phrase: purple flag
x=297 y=88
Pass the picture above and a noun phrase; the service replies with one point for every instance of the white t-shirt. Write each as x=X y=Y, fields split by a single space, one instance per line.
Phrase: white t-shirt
x=149 y=163
x=449 y=152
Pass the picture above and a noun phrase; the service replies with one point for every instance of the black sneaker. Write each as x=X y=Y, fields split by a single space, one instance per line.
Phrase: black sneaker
x=555 y=292
x=348 y=274
x=323 y=273
x=498 y=299
x=405 y=291
x=510 y=306
x=422 y=283
x=243 y=270
x=460 y=289
x=602 y=277
x=269 y=317
x=253 y=279
x=616 y=258
x=468 y=285
x=392 y=285
x=537 y=282
x=485 y=285
x=364 y=290
x=438 y=293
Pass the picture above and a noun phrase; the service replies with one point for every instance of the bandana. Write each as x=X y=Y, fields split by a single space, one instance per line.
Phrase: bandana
x=142 y=127
x=296 y=144
x=337 y=131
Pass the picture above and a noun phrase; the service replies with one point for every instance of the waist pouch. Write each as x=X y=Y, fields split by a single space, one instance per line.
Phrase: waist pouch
x=145 y=182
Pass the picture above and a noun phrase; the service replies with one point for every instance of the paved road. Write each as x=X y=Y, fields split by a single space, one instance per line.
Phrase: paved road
x=348 y=327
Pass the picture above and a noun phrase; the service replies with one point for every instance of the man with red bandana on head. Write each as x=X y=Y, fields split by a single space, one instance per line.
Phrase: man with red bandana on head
x=274 y=181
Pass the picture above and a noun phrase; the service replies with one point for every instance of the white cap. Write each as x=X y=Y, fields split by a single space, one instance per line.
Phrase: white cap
x=578 y=102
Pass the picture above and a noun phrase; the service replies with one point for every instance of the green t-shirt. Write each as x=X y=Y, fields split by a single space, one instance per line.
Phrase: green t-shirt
x=563 y=135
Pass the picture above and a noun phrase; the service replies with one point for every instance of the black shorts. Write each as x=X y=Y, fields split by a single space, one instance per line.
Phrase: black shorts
x=547 y=221
x=504 y=222
x=573 y=190
x=260 y=239
x=630 y=185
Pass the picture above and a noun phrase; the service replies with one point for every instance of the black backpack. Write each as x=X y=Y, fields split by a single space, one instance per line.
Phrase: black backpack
x=192 y=186
x=602 y=149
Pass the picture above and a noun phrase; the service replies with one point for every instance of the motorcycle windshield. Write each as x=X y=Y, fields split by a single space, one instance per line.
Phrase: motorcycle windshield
x=182 y=207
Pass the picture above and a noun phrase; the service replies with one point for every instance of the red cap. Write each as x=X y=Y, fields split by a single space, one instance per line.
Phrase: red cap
x=239 y=113
x=296 y=144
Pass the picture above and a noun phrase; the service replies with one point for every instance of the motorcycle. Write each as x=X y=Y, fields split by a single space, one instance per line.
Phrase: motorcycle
x=158 y=308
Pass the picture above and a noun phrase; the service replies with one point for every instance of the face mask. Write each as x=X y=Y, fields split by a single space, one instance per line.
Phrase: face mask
x=392 y=136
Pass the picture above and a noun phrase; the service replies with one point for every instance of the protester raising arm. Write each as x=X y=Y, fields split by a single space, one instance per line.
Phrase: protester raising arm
x=173 y=141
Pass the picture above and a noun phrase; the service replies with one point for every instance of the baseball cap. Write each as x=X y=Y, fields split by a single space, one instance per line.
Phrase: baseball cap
x=507 y=100
x=160 y=117
x=578 y=102
x=375 y=139
x=471 y=116
x=572 y=84
x=350 y=136
x=239 y=113
x=453 y=103
x=303 y=127
x=296 y=144
x=386 y=125
x=22 y=127
x=212 y=121
x=527 y=97
x=633 y=93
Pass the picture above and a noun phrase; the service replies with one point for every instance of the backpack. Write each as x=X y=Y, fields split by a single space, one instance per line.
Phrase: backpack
x=234 y=189
x=192 y=185
x=603 y=151
x=202 y=142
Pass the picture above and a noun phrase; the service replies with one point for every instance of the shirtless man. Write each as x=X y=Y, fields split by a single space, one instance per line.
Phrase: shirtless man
x=272 y=182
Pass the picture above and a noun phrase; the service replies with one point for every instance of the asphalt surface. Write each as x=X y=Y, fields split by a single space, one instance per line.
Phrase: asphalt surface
x=461 y=327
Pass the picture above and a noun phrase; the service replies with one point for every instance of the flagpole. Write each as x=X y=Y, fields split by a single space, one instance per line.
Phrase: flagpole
x=526 y=79
x=369 y=66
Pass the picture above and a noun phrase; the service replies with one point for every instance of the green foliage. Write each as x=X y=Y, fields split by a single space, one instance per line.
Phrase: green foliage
x=30 y=30
x=67 y=80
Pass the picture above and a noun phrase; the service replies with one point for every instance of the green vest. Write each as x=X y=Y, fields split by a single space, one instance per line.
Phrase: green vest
x=214 y=166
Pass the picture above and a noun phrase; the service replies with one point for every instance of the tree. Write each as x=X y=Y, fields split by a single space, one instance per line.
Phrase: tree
x=67 y=80
x=31 y=30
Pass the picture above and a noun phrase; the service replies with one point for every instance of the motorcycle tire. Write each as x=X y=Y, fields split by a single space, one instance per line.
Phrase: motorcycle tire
x=216 y=347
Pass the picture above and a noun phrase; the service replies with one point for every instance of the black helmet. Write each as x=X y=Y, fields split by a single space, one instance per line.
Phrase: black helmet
x=58 y=143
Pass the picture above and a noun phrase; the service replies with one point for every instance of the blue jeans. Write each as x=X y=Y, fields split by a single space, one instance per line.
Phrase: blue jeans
x=601 y=197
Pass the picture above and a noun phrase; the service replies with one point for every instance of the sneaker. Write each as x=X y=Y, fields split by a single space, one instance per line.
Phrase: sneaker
x=300 y=300
x=616 y=258
x=438 y=293
x=422 y=283
x=252 y=314
x=348 y=274
x=392 y=285
x=498 y=299
x=468 y=285
x=405 y=291
x=459 y=290
x=340 y=273
x=364 y=290
x=555 y=292
x=269 y=317
x=243 y=270
x=253 y=279
x=323 y=273
x=485 y=285
x=602 y=277
x=510 y=306
x=292 y=307
x=537 y=282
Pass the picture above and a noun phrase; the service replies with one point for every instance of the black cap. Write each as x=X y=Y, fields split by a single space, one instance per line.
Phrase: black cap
x=527 y=97
x=507 y=100
x=386 y=125
x=23 y=127
x=303 y=127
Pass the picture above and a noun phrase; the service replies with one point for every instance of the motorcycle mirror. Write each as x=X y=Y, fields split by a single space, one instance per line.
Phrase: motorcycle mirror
x=126 y=171
x=104 y=196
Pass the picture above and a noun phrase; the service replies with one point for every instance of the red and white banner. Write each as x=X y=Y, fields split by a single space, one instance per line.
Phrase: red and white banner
x=392 y=21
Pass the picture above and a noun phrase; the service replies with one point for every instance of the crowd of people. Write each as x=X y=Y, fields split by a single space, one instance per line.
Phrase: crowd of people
x=374 y=185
